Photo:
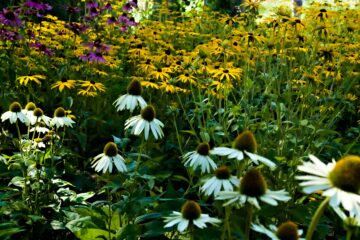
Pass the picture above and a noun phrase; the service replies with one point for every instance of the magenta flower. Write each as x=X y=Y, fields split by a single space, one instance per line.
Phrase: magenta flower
x=10 y=18
x=38 y=6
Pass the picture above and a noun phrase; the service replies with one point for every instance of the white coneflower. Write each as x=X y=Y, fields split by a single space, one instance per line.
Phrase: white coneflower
x=40 y=117
x=286 y=231
x=132 y=98
x=29 y=113
x=145 y=122
x=348 y=219
x=252 y=189
x=245 y=143
x=60 y=119
x=339 y=181
x=40 y=128
x=190 y=214
x=14 y=114
x=222 y=180
x=200 y=158
x=104 y=161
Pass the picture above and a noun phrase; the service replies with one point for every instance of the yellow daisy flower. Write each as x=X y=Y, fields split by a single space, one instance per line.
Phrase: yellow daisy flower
x=91 y=85
x=64 y=83
x=34 y=78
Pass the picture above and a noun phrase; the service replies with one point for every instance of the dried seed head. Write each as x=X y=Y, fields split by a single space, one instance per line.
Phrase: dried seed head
x=110 y=149
x=346 y=174
x=245 y=141
x=287 y=231
x=191 y=210
x=253 y=183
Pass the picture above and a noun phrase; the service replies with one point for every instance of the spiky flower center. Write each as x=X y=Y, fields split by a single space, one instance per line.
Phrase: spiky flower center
x=15 y=107
x=253 y=183
x=59 y=112
x=222 y=172
x=287 y=231
x=203 y=149
x=245 y=141
x=30 y=106
x=110 y=149
x=134 y=88
x=38 y=112
x=10 y=15
x=346 y=174
x=191 y=210
x=148 y=113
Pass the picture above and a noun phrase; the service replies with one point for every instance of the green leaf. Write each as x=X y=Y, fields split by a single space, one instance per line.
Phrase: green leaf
x=147 y=217
x=57 y=225
x=93 y=233
x=129 y=232
x=17 y=181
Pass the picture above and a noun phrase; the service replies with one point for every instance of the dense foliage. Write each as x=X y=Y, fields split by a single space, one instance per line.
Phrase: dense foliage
x=205 y=94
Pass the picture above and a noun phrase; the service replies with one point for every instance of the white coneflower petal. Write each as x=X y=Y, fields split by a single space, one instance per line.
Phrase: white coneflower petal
x=340 y=181
x=104 y=161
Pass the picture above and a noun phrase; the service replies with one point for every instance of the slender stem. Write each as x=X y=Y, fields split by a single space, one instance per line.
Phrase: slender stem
x=348 y=234
x=226 y=227
x=315 y=219
x=248 y=221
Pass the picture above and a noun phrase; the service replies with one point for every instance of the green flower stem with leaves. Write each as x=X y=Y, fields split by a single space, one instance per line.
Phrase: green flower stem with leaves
x=316 y=217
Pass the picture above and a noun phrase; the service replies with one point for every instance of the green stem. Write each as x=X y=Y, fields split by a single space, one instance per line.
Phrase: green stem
x=226 y=227
x=248 y=221
x=348 y=234
x=315 y=219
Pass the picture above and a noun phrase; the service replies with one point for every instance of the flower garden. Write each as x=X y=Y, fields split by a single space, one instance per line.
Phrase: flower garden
x=175 y=120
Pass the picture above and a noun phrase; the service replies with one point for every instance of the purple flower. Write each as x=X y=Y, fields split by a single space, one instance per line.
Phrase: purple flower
x=9 y=35
x=98 y=45
x=131 y=22
x=108 y=6
x=10 y=18
x=76 y=27
x=123 y=28
x=112 y=20
x=38 y=6
x=42 y=48
x=96 y=56
x=94 y=12
x=123 y=18
x=127 y=7
x=93 y=56
x=92 y=4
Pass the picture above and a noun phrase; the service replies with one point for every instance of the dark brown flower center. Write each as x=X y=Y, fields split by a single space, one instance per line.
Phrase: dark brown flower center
x=38 y=112
x=245 y=141
x=191 y=210
x=346 y=174
x=15 y=107
x=110 y=149
x=222 y=172
x=59 y=112
x=203 y=149
x=253 y=183
x=134 y=88
x=148 y=113
x=287 y=231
